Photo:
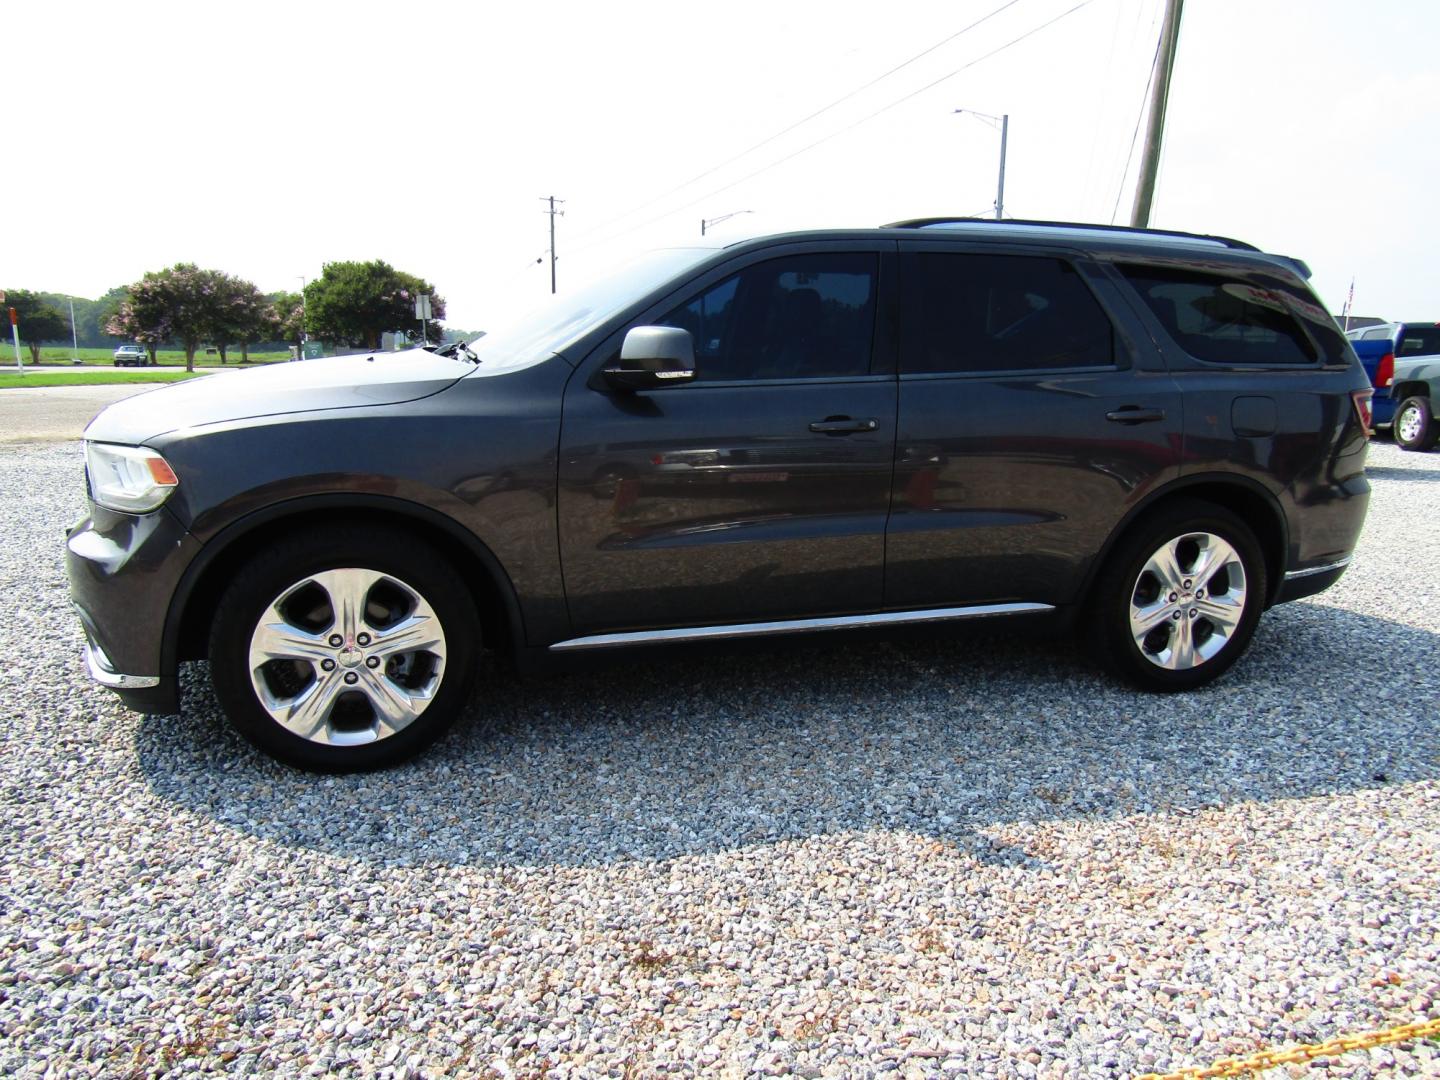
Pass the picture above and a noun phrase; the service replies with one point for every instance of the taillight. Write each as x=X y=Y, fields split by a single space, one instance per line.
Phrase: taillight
x=1361 y=398
x=1385 y=371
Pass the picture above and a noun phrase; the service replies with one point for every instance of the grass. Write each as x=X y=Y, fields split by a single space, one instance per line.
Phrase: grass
x=39 y=377
x=60 y=355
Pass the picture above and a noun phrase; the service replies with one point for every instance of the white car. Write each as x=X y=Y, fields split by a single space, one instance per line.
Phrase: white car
x=132 y=356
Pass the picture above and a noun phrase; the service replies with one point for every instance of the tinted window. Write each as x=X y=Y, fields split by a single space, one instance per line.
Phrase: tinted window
x=969 y=312
x=1376 y=334
x=1420 y=341
x=807 y=316
x=1229 y=321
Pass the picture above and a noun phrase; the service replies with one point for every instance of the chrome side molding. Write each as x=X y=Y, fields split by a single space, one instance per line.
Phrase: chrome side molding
x=795 y=626
x=1291 y=575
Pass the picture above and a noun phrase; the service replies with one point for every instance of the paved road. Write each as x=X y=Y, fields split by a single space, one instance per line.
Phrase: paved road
x=56 y=413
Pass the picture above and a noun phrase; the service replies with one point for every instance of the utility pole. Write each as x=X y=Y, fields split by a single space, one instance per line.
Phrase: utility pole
x=1155 y=127
x=74 y=337
x=553 y=214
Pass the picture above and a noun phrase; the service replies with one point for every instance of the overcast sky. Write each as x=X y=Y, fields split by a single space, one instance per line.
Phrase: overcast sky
x=266 y=139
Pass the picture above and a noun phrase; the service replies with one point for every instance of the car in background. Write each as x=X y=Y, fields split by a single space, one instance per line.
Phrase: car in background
x=1380 y=346
x=132 y=356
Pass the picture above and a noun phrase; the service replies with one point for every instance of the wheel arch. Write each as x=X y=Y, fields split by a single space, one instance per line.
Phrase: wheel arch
x=188 y=619
x=1413 y=388
x=1244 y=497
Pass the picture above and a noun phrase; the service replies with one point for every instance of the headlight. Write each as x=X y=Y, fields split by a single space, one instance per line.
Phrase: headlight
x=131 y=479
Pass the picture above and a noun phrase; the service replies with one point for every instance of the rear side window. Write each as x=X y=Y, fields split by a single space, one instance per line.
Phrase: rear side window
x=1228 y=320
x=1420 y=341
x=967 y=312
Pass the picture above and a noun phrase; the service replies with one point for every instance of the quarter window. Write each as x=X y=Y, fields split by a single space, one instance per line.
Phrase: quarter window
x=806 y=316
x=982 y=313
x=1227 y=320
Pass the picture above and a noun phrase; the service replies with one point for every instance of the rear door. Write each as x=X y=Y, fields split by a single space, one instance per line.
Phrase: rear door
x=759 y=491
x=1030 y=421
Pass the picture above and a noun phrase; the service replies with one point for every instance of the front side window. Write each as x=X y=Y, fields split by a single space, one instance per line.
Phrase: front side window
x=804 y=316
x=966 y=312
x=1229 y=321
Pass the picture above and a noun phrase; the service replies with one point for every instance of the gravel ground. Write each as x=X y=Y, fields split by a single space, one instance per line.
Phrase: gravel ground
x=972 y=856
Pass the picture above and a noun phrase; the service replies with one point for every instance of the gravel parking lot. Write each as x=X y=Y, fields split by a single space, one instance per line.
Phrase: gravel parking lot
x=973 y=856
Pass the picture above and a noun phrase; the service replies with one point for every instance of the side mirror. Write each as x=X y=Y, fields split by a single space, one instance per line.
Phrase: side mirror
x=653 y=356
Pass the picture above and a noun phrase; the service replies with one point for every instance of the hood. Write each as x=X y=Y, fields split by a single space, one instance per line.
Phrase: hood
x=341 y=382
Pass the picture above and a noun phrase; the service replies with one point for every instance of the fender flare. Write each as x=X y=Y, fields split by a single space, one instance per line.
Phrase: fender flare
x=1179 y=486
x=223 y=542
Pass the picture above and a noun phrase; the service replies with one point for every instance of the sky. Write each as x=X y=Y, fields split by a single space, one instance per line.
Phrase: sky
x=266 y=139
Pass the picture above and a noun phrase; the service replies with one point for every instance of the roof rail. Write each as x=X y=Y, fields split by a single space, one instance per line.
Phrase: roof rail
x=920 y=223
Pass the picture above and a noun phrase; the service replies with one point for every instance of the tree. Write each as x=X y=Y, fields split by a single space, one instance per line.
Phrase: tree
x=183 y=303
x=39 y=320
x=354 y=303
x=287 y=318
x=239 y=314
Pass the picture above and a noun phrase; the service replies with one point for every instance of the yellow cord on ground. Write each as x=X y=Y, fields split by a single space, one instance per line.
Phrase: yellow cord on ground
x=1297 y=1055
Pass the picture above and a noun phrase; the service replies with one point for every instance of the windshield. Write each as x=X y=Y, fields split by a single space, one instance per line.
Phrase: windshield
x=537 y=333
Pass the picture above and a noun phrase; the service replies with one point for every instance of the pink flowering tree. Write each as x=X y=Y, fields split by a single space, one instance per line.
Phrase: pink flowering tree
x=353 y=303
x=183 y=303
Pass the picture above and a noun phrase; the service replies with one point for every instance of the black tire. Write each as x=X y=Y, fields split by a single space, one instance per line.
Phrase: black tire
x=1413 y=426
x=1127 y=585
x=409 y=584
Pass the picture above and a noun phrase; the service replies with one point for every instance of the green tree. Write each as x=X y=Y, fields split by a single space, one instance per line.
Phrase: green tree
x=287 y=318
x=39 y=319
x=353 y=303
x=239 y=314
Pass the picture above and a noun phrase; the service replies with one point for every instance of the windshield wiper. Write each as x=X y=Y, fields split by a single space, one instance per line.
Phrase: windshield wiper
x=459 y=350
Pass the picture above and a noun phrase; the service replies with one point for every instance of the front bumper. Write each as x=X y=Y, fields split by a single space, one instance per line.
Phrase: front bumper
x=123 y=571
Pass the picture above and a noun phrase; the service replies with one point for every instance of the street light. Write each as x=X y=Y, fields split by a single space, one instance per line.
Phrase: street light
x=1004 y=122
x=304 y=334
x=707 y=222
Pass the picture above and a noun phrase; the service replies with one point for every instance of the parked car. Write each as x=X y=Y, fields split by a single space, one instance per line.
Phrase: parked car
x=132 y=356
x=1380 y=347
x=1152 y=435
x=1415 y=386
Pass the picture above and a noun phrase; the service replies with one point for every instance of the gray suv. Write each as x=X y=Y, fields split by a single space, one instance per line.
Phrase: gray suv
x=1153 y=435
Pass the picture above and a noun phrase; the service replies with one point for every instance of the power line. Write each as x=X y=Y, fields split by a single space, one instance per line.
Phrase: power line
x=863 y=120
x=798 y=123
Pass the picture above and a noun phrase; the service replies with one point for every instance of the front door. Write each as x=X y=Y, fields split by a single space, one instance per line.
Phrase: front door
x=758 y=491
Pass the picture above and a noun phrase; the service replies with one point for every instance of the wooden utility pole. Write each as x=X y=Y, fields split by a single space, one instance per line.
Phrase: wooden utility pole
x=1155 y=128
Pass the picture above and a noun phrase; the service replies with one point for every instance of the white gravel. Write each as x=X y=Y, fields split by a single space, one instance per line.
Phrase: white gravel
x=973 y=856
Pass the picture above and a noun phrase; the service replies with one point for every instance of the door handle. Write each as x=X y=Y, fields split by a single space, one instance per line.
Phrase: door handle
x=1134 y=414
x=843 y=425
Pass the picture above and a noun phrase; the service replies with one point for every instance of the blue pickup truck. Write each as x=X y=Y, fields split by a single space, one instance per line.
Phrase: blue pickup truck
x=1403 y=362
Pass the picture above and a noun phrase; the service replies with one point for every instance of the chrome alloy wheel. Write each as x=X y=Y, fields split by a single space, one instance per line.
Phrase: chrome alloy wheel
x=347 y=656
x=1409 y=423
x=1187 y=601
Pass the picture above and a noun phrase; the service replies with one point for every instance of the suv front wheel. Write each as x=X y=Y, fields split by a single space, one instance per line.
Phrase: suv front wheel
x=344 y=649
x=1179 y=598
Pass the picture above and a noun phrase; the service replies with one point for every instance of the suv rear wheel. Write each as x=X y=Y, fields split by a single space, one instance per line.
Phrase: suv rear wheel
x=1179 y=598
x=344 y=649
